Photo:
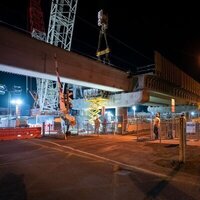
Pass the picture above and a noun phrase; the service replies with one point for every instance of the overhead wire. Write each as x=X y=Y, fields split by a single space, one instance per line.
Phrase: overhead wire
x=116 y=39
x=94 y=48
x=123 y=61
x=128 y=46
x=15 y=27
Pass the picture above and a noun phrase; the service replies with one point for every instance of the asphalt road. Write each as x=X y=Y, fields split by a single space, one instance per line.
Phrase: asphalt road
x=83 y=168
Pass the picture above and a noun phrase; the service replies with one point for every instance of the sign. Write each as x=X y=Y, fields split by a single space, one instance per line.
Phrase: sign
x=190 y=127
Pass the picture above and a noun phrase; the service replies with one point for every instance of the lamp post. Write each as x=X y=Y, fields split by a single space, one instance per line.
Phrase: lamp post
x=9 y=108
x=134 y=109
x=16 y=90
x=17 y=103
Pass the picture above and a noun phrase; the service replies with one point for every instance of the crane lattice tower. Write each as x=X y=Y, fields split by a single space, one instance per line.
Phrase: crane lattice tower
x=61 y=23
x=60 y=31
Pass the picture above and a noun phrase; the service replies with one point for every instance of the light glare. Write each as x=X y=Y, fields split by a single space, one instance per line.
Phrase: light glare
x=16 y=101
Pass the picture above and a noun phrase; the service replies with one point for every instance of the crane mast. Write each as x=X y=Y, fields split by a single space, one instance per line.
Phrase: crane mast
x=36 y=20
x=60 y=31
x=61 y=23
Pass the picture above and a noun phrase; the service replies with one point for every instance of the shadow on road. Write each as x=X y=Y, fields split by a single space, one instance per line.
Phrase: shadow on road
x=156 y=191
x=12 y=187
x=171 y=145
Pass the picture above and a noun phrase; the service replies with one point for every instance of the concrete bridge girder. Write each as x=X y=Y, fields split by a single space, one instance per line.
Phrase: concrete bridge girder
x=161 y=91
x=24 y=55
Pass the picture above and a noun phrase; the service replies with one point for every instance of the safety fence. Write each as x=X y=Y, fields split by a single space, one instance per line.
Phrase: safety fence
x=88 y=128
x=141 y=128
x=138 y=127
x=19 y=133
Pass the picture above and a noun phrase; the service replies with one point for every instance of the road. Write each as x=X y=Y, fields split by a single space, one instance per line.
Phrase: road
x=83 y=168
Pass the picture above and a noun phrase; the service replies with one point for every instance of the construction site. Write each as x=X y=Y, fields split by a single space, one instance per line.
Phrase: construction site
x=69 y=105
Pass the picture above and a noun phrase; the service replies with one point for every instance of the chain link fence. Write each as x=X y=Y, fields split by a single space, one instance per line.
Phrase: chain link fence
x=141 y=128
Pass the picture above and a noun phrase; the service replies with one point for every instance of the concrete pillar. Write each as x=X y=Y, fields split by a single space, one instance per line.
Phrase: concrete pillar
x=121 y=114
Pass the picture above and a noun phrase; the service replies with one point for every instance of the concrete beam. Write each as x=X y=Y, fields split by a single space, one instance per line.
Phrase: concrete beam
x=21 y=54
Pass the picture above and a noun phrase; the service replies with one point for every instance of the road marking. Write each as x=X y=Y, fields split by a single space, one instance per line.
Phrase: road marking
x=125 y=166
x=109 y=160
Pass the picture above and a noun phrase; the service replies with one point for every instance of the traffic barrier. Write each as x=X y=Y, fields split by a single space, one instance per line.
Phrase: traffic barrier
x=19 y=133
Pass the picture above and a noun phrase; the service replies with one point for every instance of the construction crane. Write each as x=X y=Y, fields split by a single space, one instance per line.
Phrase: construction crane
x=60 y=31
x=61 y=23
x=47 y=93
x=36 y=20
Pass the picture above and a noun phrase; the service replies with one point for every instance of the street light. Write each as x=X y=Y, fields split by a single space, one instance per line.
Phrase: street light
x=16 y=90
x=17 y=103
x=134 y=109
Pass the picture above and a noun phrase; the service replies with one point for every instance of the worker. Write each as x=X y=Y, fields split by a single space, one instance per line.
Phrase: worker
x=156 y=125
x=96 y=125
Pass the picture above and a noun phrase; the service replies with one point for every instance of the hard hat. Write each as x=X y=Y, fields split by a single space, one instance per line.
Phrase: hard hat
x=182 y=114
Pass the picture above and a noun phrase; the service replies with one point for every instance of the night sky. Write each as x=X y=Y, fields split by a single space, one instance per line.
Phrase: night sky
x=135 y=30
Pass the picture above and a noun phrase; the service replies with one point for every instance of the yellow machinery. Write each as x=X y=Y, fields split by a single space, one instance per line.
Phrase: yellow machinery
x=96 y=104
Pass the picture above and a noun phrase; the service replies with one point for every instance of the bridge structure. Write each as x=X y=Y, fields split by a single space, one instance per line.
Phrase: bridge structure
x=21 y=54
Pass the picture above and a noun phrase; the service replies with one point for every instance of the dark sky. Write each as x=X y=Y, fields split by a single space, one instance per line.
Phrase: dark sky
x=135 y=30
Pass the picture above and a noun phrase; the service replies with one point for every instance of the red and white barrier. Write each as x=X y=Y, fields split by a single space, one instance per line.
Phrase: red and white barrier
x=19 y=133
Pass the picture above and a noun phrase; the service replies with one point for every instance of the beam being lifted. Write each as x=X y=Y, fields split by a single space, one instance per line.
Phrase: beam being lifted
x=21 y=54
